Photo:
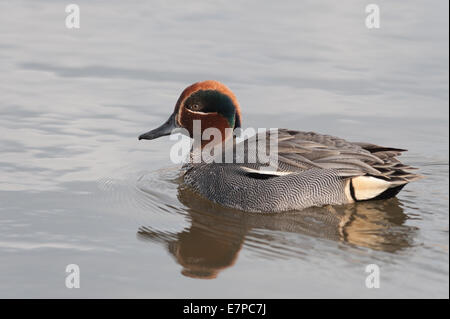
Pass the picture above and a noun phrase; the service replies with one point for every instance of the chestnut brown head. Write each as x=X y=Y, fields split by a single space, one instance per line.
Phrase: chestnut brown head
x=210 y=102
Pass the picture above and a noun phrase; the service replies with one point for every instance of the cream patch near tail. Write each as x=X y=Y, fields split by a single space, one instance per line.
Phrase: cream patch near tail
x=367 y=187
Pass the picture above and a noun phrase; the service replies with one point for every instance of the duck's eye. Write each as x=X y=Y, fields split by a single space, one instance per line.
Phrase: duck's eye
x=194 y=107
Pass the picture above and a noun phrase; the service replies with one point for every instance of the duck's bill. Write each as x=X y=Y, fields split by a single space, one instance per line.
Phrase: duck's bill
x=163 y=130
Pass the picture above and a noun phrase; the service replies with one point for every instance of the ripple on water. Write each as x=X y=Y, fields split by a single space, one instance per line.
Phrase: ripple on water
x=147 y=198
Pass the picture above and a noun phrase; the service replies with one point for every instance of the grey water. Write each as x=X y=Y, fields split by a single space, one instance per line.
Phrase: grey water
x=77 y=187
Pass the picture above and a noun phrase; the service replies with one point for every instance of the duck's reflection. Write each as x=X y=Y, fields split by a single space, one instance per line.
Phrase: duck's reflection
x=216 y=235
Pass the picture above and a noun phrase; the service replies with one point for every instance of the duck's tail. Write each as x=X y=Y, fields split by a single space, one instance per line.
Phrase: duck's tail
x=393 y=176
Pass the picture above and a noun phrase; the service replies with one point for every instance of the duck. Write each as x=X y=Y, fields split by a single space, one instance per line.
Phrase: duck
x=306 y=169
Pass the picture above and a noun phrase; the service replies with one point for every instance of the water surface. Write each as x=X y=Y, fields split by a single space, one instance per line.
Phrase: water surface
x=76 y=186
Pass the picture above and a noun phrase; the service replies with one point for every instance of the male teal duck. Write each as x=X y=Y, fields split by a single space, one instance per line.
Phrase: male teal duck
x=311 y=169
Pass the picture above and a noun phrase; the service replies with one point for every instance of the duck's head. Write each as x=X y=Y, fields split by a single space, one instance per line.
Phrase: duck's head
x=210 y=102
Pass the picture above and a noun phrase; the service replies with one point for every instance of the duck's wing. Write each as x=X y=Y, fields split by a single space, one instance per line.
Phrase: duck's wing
x=304 y=150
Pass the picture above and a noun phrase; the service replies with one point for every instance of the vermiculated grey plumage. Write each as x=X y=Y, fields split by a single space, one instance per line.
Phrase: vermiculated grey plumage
x=311 y=170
